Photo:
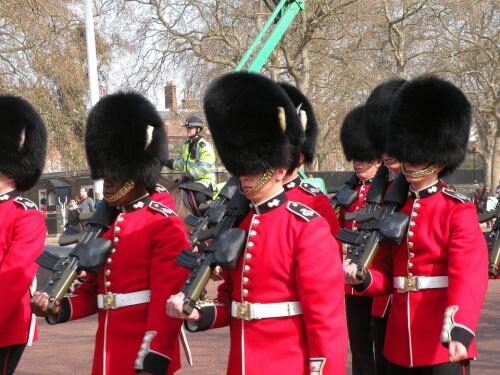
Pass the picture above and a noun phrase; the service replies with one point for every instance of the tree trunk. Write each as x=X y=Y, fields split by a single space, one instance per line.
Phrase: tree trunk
x=495 y=161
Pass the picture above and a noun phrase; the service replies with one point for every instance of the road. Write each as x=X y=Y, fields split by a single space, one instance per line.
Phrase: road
x=67 y=348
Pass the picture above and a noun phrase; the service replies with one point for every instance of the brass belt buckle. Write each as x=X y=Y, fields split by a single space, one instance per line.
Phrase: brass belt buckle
x=108 y=301
x=411 y=283
x=243 y=310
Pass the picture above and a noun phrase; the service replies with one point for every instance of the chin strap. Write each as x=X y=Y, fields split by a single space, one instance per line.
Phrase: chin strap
x=422 y=173
x=124 y=190
x=263 y=180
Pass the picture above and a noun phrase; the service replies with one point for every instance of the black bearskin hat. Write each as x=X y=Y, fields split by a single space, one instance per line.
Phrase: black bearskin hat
x=354 y=139
x=377 y=111
x=23 y=143
x=253 y=122
x=126 y=139
x=430 y=123
x=300 y=101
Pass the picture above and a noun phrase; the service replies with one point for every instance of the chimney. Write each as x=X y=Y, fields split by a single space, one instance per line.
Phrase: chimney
x=170 y=96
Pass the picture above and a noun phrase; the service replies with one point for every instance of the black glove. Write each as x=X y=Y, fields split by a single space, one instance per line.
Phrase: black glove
x=170 y=163
x=186 y=177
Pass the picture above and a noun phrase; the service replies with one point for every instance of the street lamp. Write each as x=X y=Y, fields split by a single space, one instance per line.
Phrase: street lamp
x=474 y=156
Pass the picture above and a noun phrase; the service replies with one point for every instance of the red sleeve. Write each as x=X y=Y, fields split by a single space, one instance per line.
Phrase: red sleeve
x=325 y=209
x=167 y=278
x=467 y=260
x=84 y=300
x=18 y=268
x=321 y=293
x=379 y=281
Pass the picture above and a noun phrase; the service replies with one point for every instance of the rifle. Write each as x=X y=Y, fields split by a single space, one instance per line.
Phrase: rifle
x=385 y=225
x=493 y=240
x=88 y=255
x=344 y=195
x=224 y=250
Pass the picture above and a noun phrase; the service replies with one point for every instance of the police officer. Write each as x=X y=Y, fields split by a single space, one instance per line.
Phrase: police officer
x=284 y=299
x=197 y=162
x=23 y=143
x=376 y=119
x=365 y=159
x=297 y=190
x=438 y=274
x=125 y=140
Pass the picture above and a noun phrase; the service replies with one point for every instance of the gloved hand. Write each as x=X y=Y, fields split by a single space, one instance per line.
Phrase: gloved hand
x=170 y=163
x=186 y=177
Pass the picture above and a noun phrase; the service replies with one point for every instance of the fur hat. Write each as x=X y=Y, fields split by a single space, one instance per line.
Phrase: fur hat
x=354 y=139
x=430 y=123
x=126 y=139
x=300 y=102
x=253 y=122
x=23 y=143
x=377 y=111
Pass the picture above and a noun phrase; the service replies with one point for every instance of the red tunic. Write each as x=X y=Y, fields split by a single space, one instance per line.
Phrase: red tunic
x=22 y=237
x=443 y=239
x=288 y=257
x=298 y=191
x=146 y=242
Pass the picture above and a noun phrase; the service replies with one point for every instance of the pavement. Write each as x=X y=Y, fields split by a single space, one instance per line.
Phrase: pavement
x=68 y=348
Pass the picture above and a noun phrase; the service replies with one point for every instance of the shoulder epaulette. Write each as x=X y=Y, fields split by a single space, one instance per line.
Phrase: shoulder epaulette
x=156 y=206
x=302 y=210
x=311 y=189
x=462 y=198
x=26 y=203
x=160 y=189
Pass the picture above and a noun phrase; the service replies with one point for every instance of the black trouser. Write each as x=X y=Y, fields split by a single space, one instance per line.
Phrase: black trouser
x=459 y=368
x=379 y=328
x=359 y=320
x=9 y=358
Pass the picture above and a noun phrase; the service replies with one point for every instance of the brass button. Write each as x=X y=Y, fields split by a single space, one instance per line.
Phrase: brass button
x=244 y=292
x=245 y=280
x=246 y=268
x=250 y=244
x=108 y=260
x=410 y=233
x=410 y=244
x=108 y=284
x=416 y=205
x=412 y=223
x=115 y=240
x=414 y=214
x=108 y=272
x=248 y=256
x=411 y=255
x=252 y=233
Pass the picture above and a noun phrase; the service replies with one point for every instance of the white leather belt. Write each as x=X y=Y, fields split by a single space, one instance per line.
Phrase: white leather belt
x=110 y=301
x=250 y=311
x=416 y=283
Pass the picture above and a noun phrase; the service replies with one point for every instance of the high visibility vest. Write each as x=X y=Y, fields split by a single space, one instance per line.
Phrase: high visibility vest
x=198 y=159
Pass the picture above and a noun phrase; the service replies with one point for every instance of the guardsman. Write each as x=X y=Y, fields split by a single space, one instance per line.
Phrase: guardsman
x=438 y=274
x=295 y=189
x=284 y=299
x=376 y=119
x=358 y=149
x=125 y=139
x=22 y=227
x=197 y=162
